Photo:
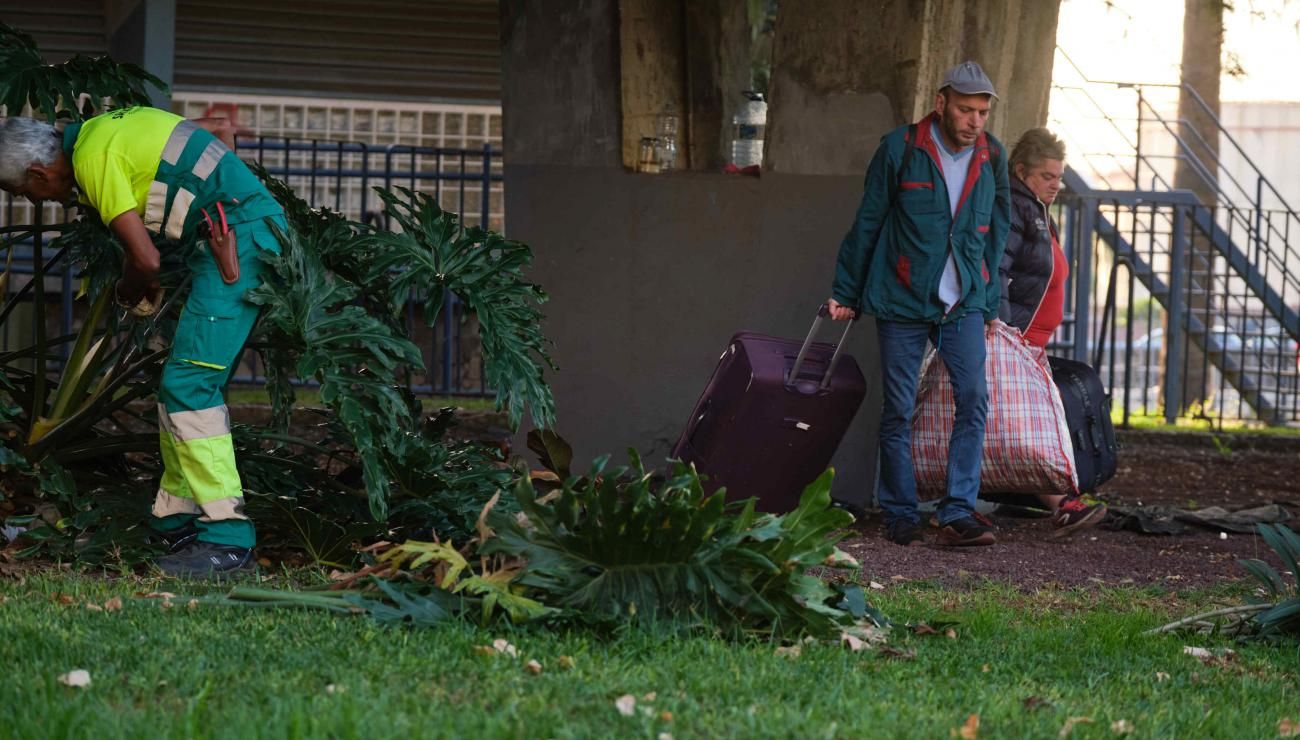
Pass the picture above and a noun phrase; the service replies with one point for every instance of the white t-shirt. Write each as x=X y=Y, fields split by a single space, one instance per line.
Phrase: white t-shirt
x=955 y=167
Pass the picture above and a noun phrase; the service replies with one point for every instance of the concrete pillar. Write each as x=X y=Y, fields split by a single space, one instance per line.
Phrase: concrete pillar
x=653 y=64
x=560 y=83
x=717 y=73
x=845 y=72
x=143 y=32
x=686 y=58
x=1030 y=78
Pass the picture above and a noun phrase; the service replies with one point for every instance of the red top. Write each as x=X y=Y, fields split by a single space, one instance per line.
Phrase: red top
x=1052 y=308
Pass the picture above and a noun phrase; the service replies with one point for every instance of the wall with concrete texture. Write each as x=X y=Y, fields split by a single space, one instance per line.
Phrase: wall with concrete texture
x=649 y=277
x=845 y=72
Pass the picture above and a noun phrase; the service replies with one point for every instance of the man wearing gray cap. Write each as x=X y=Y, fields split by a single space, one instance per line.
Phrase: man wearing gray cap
x=922 y=258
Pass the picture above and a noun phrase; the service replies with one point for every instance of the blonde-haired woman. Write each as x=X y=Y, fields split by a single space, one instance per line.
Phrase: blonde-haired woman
x=1034 y=271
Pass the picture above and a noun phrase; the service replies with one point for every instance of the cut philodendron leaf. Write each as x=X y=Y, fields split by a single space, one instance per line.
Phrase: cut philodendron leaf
x=622 y=545
x=552 y=451
x=1283 y=615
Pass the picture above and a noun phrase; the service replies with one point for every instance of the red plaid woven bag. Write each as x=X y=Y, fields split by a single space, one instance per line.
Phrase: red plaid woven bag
x=1026 y=440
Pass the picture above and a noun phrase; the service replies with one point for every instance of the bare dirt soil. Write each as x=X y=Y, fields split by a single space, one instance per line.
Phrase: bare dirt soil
x=1187 y=470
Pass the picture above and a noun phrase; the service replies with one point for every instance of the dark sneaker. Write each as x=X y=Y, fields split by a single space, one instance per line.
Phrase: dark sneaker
x=903 y=532
x=201 y=559
x=175 y=540
x=969 y=531
x=1074 y=514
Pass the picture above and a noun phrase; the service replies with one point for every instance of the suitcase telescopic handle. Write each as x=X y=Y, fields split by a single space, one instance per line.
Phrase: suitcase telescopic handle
x=822 y=313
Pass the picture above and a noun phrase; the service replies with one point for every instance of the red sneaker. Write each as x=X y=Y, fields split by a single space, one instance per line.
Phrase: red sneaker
x=1074 y=514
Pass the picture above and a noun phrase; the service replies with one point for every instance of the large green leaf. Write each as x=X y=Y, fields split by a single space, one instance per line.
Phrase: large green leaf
x=432 y=254
x=624 y=545
x=53 y=90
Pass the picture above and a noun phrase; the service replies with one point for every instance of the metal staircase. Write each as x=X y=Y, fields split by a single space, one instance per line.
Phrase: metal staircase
x=1225 y=272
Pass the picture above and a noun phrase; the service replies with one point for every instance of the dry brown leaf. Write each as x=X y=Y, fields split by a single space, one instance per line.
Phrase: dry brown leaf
x=1036 y=702
x=1068 y=727
x=264 y=562
x=896 y=654
x=485 y=532
x=924 y=629
x=970 y=729
x=167 y=604
x=113 y=605
x=854 y=644
x=626 y=705
x=1121 y=727
x=985 y=668
x=566 y=662
x=1287 y=727
x=533 y=667
x=665 y=716
x=158 y=595
x=64 y=599
x=1161 y=676
x=876 y=586
x=664 y=736
x=652 y=696
x=192 y=604
x=335 y=689
x=94 y=607
x=503 y=646
x=77 y=679
x=950 y=633
x=484 y=650
x=791 y=652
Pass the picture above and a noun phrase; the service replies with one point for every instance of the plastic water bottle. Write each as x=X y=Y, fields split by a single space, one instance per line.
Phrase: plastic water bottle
x=747 y=128
x=667 y=126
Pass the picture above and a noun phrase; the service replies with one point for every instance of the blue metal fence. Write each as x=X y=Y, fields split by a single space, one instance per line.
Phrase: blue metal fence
x=337 y=175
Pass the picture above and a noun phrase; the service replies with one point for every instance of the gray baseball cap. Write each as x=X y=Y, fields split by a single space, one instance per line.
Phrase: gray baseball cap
x=968 y=78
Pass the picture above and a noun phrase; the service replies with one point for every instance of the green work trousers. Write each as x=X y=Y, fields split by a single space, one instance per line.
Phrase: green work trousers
x=200 y=483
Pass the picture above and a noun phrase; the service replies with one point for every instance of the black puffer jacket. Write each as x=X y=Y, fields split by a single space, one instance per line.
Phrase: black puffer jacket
x=1028 y=260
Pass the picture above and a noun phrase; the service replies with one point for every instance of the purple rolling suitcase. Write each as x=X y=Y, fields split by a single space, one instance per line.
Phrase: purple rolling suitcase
x=772 y=415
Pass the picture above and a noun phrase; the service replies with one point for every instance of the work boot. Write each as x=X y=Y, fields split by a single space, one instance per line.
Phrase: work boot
x=1074 y=514
x=904 y=532
x=968 y=531
x=200 y=559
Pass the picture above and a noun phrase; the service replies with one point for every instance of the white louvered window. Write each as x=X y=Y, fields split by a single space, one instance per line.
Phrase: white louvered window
x=389 y=132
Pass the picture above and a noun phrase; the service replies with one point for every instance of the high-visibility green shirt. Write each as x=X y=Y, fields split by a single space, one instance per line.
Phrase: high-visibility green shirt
x=164 y=168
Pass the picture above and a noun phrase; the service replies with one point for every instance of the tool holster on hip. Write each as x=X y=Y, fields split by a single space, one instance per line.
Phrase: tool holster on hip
x=222 y=244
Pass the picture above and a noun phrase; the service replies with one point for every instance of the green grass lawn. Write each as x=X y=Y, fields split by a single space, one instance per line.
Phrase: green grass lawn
x=1026 y=664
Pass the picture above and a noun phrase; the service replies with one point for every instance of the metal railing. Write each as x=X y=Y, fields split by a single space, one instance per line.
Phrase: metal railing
x=1219 y=280
x=337 y=175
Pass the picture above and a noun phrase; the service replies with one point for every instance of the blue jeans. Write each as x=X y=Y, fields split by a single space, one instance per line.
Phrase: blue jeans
x=902 y=347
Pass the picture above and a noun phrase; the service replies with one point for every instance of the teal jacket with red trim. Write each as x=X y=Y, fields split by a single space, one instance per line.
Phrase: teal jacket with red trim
x=891 y=260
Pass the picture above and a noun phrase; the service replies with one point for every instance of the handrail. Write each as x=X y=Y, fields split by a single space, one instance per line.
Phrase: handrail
x=1183 y=87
